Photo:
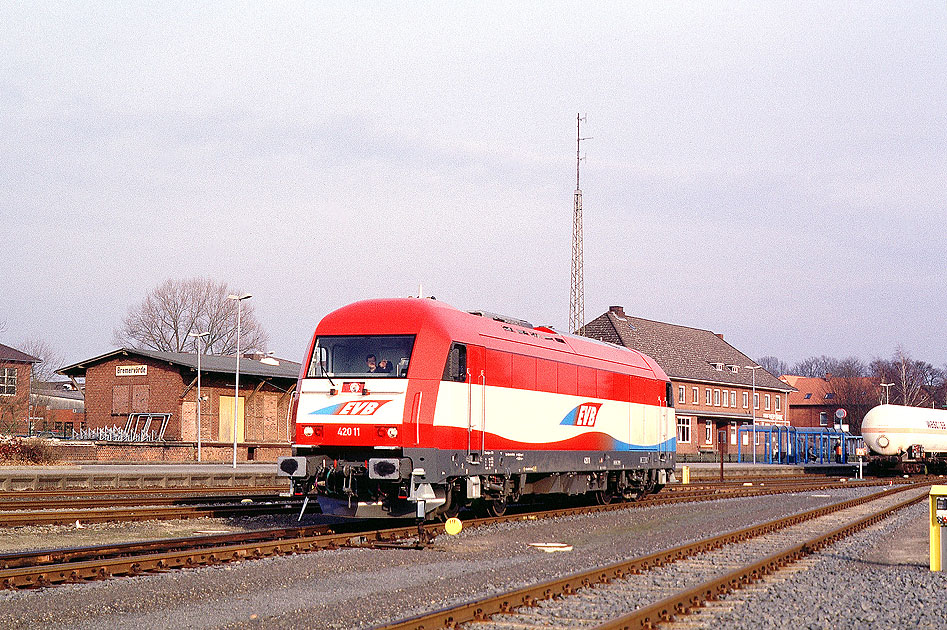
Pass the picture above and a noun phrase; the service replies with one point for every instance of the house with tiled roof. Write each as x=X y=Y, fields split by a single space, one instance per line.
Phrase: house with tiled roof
x=817 y=401
x=16 y=373
x=714 y=383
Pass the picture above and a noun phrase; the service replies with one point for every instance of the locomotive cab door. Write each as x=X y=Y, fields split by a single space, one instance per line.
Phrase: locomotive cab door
x=476 y=402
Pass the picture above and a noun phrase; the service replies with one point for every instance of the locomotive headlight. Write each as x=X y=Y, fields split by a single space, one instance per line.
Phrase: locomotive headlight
x=308 y=431
x=392 y=432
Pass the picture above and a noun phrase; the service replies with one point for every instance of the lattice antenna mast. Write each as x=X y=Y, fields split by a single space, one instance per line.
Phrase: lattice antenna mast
x=577 y=295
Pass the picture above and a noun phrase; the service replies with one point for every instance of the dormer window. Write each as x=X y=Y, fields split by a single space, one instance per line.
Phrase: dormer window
x=734 y=368
x=717 y=366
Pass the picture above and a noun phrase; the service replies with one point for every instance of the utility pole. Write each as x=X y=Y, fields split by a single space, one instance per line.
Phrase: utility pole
x=577 y=295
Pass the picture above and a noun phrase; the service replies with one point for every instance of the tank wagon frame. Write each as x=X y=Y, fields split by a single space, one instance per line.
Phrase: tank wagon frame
x=470 y=408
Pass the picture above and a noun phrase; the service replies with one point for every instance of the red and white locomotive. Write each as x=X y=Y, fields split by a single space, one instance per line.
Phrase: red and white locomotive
x=410 y=407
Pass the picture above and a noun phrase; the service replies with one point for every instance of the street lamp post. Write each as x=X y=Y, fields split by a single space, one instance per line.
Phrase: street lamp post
x=754 y=368
x=887 y=400
x=236 y=382
x=199 y=336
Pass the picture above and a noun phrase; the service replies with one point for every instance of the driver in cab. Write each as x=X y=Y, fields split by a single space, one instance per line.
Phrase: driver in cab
x=376 y=367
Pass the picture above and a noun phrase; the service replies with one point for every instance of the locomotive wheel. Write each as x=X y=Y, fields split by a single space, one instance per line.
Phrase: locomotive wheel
x=454 y=505
x=604 y=497
x=496 y=507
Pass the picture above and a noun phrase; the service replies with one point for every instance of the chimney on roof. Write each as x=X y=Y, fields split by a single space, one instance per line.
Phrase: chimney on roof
x=720 y=335
x=618 y=310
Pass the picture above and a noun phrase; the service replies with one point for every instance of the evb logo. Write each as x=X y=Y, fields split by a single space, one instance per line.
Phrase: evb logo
x=582 y=416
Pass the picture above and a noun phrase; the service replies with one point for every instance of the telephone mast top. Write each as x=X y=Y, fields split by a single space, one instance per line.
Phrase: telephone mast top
x=577 y=295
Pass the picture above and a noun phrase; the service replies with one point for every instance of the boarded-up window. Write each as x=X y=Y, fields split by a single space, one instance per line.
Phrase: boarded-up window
x=121 y=399
x=140 y=398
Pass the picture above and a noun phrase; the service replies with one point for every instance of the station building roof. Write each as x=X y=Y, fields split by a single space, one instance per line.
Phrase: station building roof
x=688 y=354
x=12 y=354
x=209 y=363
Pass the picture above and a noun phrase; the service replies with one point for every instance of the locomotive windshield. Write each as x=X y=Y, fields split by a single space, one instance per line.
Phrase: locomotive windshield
x=364 y=356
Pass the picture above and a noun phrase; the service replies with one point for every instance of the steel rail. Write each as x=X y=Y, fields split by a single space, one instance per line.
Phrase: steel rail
x=131 y=490
x=88 y=503
x=142 y=513
x=528 y=596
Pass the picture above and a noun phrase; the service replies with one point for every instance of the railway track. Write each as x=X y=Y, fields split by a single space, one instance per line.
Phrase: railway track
x=649 y=591
x=125 y=513
x=96 y=506
x=56 y=566
x=64 y=507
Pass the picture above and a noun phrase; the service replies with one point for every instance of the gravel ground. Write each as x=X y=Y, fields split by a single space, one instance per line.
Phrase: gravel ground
x=878 y=578
x=358 y=588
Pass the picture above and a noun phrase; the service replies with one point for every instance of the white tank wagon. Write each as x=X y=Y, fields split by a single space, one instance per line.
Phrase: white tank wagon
x=915 y=437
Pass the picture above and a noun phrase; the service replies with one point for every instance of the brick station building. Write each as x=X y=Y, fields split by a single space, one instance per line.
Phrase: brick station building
x=154 y=394
x=16 y=374
x=712 y=385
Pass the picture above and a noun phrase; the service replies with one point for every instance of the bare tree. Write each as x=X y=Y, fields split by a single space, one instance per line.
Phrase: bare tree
x=916 y=383
x=813 y=367
x=49 y=359
x=176 y=308
x=774 y=366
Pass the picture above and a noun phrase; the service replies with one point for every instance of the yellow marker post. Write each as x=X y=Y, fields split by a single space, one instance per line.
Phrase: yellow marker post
x=685 y=474
x=453 y=526
x=938 y=523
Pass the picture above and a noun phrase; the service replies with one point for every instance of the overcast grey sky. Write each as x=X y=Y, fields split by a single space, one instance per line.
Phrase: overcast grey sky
x=772 y=171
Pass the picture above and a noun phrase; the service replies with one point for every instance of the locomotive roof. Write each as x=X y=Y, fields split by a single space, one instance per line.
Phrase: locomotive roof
x=426 y=315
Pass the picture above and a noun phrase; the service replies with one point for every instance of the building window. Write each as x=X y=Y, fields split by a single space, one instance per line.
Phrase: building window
x=708 y=432
x=716 y=397
x=733 y=432
x=733 y=399
x=830 y=396
x=695 y=395
x=746 y=400
x=756 y=401
x=708 y=396
x=734 y=368
x=808 y=396
x=8 y=381
x=683 y=429
x=823 y=419
x=681 y=394
x=778 y=405
x=766 y=404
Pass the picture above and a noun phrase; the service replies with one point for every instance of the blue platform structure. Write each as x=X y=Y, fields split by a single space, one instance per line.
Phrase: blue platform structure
x=796 y=445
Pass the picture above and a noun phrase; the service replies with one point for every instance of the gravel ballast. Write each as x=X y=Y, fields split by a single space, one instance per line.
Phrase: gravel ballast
x=358 y=588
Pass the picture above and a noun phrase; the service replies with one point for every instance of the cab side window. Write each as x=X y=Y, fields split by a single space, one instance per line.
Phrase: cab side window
x=456 y=367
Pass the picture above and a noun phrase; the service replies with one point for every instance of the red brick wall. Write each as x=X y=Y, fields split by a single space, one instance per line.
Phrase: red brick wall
x=15 y=409
x=110 y=398
x=688 y=408
x=145 y=453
